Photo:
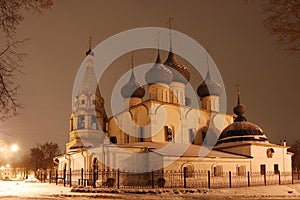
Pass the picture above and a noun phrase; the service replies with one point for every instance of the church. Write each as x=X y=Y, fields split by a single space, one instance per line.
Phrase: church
x=164 y=132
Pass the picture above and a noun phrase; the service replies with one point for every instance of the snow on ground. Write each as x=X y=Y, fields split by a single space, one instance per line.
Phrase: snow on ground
x=23 y=190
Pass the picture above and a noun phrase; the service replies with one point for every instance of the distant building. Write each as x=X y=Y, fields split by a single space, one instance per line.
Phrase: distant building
x=164 y=132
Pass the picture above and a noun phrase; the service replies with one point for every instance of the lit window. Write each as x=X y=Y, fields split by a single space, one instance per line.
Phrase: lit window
x=169 y=134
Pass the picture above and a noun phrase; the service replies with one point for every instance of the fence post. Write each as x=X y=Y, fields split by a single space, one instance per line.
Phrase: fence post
x=81 y=176
x=248 y=178
x=184 y=176
x=208 y=179
x=50 y=175
x=56 y=176
x=70 y=177
x=118 y=178
x=279 y=178
x=64 y=176
x=152 y=178
x=94 y=176
x=230 y=179
x=265 y=178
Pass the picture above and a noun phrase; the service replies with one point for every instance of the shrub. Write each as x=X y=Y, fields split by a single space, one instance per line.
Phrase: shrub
x=161 y=182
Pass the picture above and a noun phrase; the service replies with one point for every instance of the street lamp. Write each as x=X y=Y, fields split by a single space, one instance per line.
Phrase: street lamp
x=14 y=148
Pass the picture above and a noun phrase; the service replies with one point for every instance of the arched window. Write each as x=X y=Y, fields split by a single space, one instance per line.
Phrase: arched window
x=81 y=122
x=217 y=169
x=241 y=170
x=270 y=152
x=192 y=136
x=188 y=170
x=94 y=123
x=169 y=134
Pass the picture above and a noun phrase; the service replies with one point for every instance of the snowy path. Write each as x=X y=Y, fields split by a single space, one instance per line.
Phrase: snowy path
x=11 y=190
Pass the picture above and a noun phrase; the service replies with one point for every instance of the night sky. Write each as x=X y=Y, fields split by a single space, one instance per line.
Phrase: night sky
x=233 y=31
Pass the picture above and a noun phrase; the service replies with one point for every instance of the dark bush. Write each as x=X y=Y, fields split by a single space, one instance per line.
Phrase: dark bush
x=161 y=182
x=110 y=182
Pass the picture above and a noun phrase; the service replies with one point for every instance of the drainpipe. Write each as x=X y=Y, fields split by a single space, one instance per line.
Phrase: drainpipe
x=84 y=160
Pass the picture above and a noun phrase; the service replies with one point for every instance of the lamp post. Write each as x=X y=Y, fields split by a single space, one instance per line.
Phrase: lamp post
x=14 y=148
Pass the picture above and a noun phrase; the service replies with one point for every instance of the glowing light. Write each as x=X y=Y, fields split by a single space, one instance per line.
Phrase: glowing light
x=14 y=148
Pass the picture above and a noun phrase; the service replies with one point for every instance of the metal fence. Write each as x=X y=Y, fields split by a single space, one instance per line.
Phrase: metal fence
x=169 y=179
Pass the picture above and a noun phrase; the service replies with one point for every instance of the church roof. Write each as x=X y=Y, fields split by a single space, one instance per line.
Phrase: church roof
x=88 y=85
x=182 y=150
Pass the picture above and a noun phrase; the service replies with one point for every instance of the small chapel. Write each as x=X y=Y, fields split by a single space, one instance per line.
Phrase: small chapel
x=164 y=132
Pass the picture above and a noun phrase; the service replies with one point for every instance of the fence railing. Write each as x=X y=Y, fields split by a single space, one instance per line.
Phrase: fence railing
x=168 y=179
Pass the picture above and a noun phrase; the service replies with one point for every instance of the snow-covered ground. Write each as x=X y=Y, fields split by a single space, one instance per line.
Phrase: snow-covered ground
x=22 y=190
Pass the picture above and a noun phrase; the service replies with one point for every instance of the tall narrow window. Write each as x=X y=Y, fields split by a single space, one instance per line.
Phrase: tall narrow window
x=141 y=134
x=94 y=123
x=81 y=122
x=276 y=169
x=169 y=134
x=192 y=136
x=263 y=169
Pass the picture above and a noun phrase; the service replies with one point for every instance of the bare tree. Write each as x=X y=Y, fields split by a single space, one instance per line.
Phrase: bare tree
x=295 y=148
x=283 y=21
x=10 y=55
x=41 y=156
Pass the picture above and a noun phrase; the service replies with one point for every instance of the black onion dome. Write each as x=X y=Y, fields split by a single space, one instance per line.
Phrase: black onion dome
x=240 y=129
x=180 y=71
x=209 y=87
x=89 y=52
x=159 y=73
x=239 y=110
x=132 y=88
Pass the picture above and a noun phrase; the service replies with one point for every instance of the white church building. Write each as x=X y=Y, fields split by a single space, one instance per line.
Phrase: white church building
x=165 y=132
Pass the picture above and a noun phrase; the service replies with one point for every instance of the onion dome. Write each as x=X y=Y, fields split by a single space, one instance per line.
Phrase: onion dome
x=239 y=110
x=132 y=88
x=241 y=130
x=188 y=101
x=180 y=71
x=209 y=87
x=159 y=73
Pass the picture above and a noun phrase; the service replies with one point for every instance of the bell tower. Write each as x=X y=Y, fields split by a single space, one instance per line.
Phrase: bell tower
x=87 y=121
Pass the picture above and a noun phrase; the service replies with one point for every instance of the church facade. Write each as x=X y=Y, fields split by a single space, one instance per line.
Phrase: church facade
x=165 y=132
